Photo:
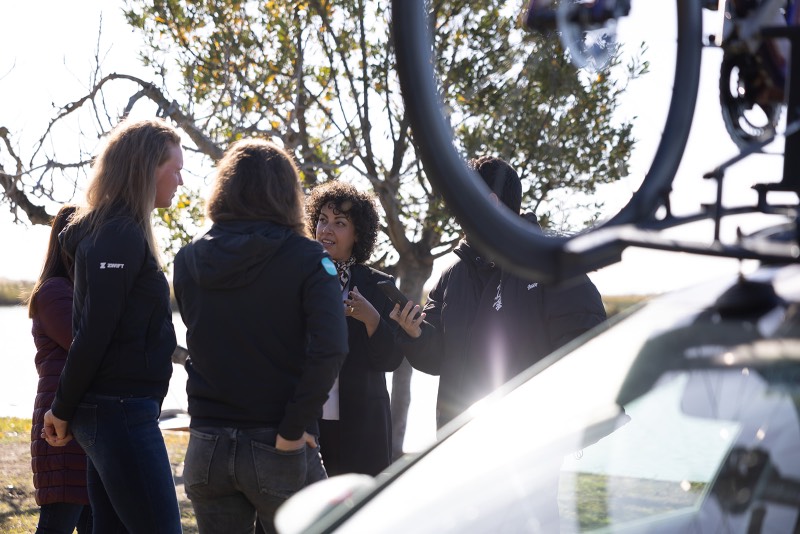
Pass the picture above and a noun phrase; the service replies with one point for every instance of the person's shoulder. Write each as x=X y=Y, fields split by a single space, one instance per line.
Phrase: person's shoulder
x=54 y=289
x=306 y=254
x=122 y=226
x=55 y=285
x=301 y=244
x=457 y=267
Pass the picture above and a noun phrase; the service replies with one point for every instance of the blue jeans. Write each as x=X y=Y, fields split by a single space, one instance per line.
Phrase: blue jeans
x=230 y=475
x=64 y=518
x=128 y=473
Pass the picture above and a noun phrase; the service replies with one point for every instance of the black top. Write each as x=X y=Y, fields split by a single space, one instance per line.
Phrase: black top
x=364 y=407
x=265 y=327
x=484 y=326
x=121 y=317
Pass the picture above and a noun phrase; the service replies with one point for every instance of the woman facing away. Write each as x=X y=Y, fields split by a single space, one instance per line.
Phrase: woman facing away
x=266 y=336
x=59 y=473
x=356 y=425
x=119 y=364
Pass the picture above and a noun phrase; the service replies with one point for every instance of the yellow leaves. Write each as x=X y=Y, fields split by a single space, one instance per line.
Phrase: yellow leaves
x=183 y=202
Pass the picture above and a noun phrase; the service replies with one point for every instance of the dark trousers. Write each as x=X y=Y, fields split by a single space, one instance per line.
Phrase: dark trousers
x=129 y=477
x=64 y=518
x=231 y=475
x=330 y=446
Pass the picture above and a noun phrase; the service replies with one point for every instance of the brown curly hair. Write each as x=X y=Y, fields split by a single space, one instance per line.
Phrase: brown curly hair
x=359 y=208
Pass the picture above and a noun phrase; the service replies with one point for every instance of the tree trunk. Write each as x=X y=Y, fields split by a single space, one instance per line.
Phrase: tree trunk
x=412 y=281
x=401 y=400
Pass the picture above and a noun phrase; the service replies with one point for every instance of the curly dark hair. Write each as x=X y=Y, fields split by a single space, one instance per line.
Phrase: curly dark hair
x=359 y=208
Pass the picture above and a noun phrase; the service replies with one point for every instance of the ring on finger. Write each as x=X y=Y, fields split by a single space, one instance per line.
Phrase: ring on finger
x=352 y=309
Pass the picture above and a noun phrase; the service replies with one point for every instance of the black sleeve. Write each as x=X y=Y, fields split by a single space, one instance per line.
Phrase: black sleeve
x=572 y=310
x=384 y=353
x=110 y=263
x=325 y=351
x=426 y=352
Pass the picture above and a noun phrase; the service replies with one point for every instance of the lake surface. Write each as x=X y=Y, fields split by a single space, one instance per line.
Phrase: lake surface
x=18 y=379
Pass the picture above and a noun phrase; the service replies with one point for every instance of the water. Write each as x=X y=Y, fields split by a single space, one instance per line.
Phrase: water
x=18 y=379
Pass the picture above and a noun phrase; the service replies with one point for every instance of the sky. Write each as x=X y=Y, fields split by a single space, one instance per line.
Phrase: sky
x=48 y=54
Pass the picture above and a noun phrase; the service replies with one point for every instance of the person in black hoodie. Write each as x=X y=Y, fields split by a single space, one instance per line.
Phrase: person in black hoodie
x=356 y=425
x=482 y=326
x=119 y=364
x=266 y=335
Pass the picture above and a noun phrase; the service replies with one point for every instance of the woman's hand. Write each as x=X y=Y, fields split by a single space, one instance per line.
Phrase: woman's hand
x=409 y=318
x=56 y=431
x=362 y=310
x=283 y=444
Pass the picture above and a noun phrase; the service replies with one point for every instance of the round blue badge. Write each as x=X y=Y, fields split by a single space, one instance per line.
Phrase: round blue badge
x=328 y=265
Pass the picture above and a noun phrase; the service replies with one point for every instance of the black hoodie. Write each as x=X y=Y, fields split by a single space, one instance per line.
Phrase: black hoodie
x=121 y=317
x=265 y=323
x=484 y=326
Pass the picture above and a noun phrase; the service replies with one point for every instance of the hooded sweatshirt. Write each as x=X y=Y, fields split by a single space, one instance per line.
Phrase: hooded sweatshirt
x=266 y=330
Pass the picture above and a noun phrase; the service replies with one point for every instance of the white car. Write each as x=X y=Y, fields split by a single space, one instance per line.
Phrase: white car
x=682 y=415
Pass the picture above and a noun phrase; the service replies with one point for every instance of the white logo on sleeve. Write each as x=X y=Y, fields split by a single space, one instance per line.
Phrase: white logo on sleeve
x=107 y=265
x=531 y=286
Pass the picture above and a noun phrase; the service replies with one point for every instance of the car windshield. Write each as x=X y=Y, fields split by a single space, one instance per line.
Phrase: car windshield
x=670 y=419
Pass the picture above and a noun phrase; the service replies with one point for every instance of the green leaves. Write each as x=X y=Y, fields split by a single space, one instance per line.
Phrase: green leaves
x=317 y=76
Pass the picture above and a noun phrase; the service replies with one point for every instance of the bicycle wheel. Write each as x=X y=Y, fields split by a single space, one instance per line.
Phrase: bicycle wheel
x=430 y=102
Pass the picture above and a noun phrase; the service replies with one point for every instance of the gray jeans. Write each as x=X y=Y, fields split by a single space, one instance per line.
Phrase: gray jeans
x=230 y=475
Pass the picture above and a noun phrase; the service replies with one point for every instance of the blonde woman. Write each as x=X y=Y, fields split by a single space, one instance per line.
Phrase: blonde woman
x=119 y=364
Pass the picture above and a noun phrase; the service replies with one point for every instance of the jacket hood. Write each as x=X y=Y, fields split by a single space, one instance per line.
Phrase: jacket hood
x=233 y=253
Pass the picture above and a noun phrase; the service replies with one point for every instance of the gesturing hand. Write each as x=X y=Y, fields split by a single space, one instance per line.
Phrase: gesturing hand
x=409 y=318
x=359 y=308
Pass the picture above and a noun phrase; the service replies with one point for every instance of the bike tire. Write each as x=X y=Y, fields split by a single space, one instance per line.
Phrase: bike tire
x=513 y=243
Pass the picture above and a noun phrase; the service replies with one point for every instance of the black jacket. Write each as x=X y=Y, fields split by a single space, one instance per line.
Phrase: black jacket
x=265 y=327
x=484 y=326
x=123 y=338
x=364 y=408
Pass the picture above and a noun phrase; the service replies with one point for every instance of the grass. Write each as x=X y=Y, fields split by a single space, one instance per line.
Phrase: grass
x=14 y=292
x=19 y=513
x=617 y=303
x=587 y=498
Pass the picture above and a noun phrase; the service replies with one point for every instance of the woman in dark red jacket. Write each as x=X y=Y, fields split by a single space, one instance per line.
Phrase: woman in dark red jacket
x=59 y=473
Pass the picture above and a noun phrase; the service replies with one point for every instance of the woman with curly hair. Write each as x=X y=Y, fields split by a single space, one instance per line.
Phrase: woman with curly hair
x=356 y=425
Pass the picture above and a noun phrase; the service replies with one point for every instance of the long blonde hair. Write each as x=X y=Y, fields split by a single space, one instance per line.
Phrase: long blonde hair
x=257 y=180
x=124 y=175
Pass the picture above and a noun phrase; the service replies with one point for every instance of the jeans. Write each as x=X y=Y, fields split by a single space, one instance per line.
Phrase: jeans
x=64 y=518
x=231 y=474
x=128 y=473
